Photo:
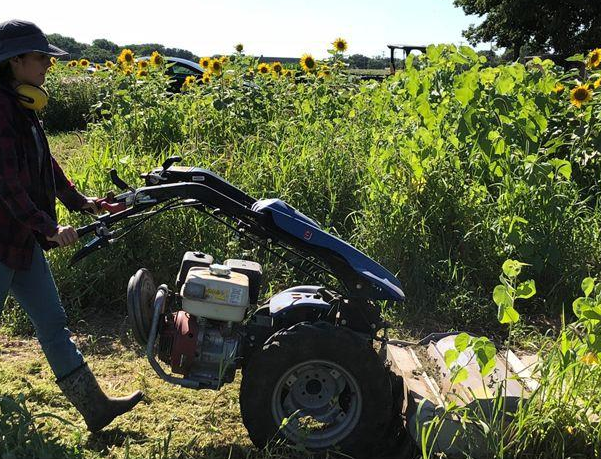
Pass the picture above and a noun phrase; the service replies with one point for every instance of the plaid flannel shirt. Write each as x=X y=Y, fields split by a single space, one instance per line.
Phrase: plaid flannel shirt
x=30 y=182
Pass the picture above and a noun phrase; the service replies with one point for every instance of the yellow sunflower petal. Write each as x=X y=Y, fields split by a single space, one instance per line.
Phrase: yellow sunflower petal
x=307 y=63
x=340 y=45
x=580 y=95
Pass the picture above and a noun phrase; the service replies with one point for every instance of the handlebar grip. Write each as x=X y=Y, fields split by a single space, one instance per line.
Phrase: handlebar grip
x=112 y=208
x=86 y=229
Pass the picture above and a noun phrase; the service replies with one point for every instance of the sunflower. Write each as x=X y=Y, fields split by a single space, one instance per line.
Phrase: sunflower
x=97 y=66
x=594 y=58
x=127 y=70
x=206 y=78
x=188 y=83
x=215 y=67
x=325 y=72
x=597 y=83
x=223 y=59
x=109 y=64
x=126 y=57
x=204 y=62
x=340 y=45
x=263 y=69
x=239 y=47
x=590 y=358
x=156 y=59
x=307 y=63
x=52 y=60
x=580 y=95
x=84 y=63
x=72 y=64
x=142 y=73
x=142 y=65
x=277 y=68
x=559 y=88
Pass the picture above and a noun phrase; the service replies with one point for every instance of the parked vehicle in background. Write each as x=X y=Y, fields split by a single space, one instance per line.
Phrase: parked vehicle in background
x=178 y=69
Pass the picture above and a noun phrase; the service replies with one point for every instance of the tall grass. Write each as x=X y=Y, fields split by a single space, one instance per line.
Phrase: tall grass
x=439 y=173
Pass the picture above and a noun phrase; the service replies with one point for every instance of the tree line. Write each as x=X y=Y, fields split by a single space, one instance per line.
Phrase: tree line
x=102 y=50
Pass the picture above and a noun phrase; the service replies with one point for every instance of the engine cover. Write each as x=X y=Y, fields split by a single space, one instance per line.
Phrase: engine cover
x=199 y=349
x=177 y=342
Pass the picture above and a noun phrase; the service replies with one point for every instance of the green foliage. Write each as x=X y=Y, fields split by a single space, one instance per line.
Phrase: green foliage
x=19 y=435
x=440 y=173
x=481 y=348
x=505 y=294
x=73 y=94
x=564 y=27
x=102 y=49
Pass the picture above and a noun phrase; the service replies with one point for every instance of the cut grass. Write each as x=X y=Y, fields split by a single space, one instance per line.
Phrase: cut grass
x=171 y=422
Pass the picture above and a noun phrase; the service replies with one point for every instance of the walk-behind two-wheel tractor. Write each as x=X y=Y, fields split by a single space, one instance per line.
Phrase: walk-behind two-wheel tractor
x=313 y=357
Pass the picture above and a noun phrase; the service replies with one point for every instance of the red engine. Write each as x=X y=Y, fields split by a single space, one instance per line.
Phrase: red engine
x=178 y=340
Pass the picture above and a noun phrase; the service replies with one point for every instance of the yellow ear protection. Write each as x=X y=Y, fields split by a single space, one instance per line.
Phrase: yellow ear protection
x=32 y=97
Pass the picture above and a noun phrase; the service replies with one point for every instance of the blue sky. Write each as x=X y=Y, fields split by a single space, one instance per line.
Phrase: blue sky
x=269 y=27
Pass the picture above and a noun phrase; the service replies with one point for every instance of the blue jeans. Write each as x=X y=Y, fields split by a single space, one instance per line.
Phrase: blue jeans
x=36 y=293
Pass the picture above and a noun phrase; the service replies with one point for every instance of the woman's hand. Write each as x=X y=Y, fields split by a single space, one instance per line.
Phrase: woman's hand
x=66 y=235
x=91 y=205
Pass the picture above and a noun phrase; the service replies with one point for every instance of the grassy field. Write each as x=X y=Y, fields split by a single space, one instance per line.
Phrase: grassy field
x=171 y=423
x=443 y=173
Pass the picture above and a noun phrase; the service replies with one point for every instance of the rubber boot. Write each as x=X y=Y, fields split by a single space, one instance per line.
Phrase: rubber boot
x=98 y=410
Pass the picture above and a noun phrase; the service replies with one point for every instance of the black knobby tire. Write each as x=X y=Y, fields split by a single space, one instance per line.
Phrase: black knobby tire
x=141 y=291
x=324 y=348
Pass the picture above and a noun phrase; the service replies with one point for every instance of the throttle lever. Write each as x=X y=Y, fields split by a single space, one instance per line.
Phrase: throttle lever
x=118 y=181
x=170 y=161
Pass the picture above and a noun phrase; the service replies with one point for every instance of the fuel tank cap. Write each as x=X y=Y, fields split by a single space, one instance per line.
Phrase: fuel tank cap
x=220 y=270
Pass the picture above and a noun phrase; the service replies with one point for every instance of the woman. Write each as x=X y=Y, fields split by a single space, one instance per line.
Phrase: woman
x=30 y=182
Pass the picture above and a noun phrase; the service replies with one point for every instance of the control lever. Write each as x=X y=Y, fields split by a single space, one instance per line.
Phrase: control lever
x=118 y=182
x=170 y=161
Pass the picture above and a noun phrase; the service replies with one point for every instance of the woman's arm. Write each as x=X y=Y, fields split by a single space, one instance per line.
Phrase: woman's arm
x=12 y=193
x=66 y=191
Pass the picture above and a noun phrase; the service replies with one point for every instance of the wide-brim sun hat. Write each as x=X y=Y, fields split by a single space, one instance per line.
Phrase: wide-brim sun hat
x=20 y=37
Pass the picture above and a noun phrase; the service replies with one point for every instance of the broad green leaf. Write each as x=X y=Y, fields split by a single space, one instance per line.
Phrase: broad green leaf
x=576 y=58
x=306 y=106
x=582 y=304
x=450 y=357
x=468 y=52
x=462 y=341
x=587 y=285
x=525 y=290
x=459 y=375
x=464 y=95
x=508 y=315
x=486 y=357
x=593 y=313
x=433 y=52
x=501 y=296
x=467 y=85
x=563 y=167
x=512 y=268
x=504 y=84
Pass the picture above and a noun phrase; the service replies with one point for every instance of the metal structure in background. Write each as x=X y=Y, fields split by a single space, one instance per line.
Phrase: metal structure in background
x=406 y=51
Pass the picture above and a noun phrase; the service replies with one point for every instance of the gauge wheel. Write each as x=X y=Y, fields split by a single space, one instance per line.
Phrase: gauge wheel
x=319 y=386
x=141 y=292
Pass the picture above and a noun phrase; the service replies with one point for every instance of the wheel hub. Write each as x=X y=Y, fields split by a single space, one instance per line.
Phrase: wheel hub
x=320 y=401
x=312 y=388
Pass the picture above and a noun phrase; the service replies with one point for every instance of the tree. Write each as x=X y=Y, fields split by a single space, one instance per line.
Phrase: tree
x=562 y=26
x=98 y=55
x=67 y=44
x=105 y=44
